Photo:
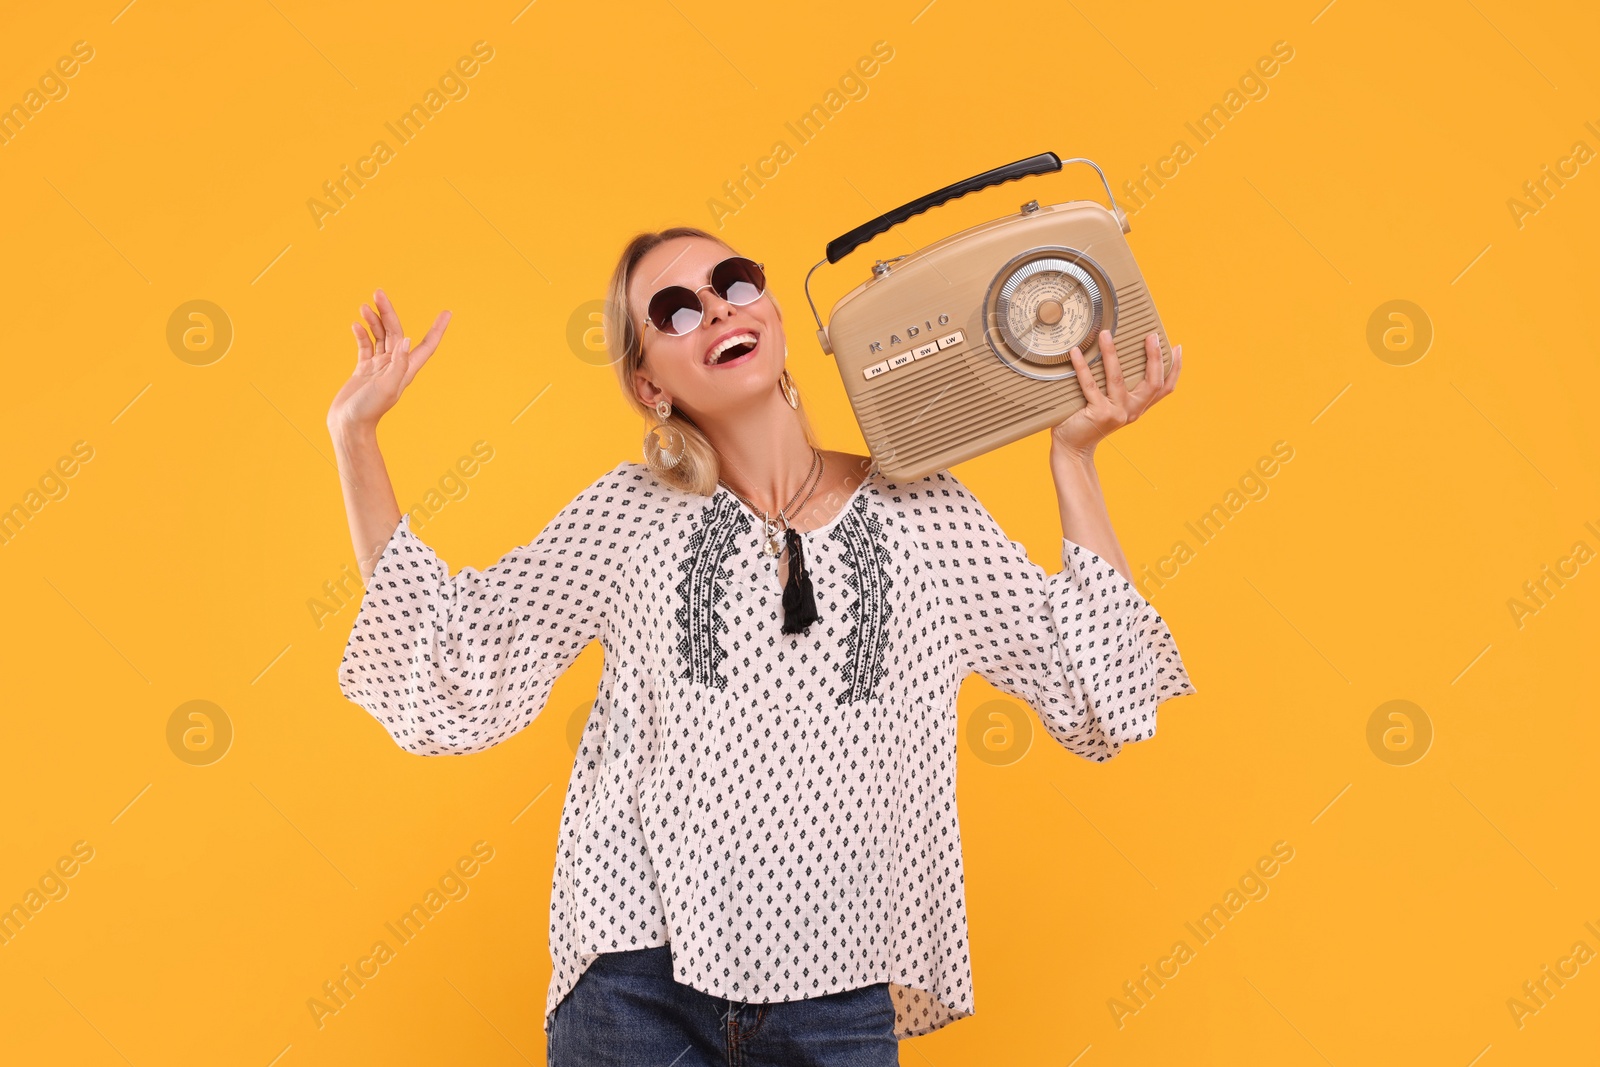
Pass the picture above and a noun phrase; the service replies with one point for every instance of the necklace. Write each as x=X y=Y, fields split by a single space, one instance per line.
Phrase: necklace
x=799 y=604
x=773 y=543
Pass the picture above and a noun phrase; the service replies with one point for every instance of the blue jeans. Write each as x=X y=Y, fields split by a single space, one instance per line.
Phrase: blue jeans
x=628 y=1011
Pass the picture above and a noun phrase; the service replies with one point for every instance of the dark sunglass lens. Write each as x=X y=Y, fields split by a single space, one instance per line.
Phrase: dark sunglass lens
x=675 y=310
x=739 y=280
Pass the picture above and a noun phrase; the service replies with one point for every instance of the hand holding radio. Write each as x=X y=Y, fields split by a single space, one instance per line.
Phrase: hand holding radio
x=1116 y=406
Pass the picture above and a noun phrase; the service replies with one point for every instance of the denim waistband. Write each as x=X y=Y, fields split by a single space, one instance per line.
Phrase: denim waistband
x=655 y=960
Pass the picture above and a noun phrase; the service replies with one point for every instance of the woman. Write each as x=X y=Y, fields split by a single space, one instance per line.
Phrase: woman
x=759 y=856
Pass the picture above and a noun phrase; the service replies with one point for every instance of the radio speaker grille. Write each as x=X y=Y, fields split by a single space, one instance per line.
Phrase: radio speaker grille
x=945 y=402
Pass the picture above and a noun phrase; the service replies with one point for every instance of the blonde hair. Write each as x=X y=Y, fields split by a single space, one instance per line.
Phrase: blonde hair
x=697 y=471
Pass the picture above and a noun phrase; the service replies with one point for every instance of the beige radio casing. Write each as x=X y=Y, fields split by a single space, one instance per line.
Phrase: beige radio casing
x=965 y=400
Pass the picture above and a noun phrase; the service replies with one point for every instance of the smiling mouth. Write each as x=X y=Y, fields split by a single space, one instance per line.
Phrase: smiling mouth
x=734 y=350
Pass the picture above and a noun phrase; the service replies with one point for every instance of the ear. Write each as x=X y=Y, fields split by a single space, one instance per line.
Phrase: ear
x=646 y=390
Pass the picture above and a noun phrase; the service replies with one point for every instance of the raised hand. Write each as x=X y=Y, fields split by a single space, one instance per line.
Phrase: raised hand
x=386 y=362
x=1117 y=405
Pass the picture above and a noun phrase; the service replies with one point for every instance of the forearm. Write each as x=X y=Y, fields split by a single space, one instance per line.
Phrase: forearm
x=369 y=499
x=1084 y=518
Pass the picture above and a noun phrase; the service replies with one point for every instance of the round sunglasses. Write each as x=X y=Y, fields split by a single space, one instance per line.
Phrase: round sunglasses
x=677 y=309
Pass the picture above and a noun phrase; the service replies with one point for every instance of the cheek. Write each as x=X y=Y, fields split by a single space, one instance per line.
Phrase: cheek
x=671 y=356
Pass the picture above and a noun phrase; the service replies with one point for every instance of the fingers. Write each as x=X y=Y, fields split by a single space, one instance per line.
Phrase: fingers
x=1149 y=389
x=395 y=371
x=395 y=354
x=1116 y=388
x=391 y=320
x=363 y=345
x=1154 y=373
x=376 y=324
x=430 y=341
x=1122 y=406
x=1086 y=382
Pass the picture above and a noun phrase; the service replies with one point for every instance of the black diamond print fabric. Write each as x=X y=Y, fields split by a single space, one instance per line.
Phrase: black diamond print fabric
x=778 y=808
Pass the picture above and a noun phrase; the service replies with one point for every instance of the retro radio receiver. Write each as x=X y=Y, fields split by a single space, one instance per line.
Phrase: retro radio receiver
x=963 y=346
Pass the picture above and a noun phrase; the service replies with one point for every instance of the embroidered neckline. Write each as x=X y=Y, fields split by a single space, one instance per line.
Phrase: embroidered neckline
x=820 y=531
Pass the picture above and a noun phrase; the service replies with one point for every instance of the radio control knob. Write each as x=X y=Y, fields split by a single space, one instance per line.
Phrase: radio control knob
x=1050 y=312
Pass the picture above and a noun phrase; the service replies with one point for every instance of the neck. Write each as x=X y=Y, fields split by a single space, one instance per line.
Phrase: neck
x=762 y=451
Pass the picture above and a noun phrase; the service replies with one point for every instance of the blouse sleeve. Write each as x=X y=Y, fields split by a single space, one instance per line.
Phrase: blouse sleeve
x=1081 y=646
x=457 y=664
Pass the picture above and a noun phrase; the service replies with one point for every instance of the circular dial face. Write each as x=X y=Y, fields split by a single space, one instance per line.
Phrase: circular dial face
x=1047 y=306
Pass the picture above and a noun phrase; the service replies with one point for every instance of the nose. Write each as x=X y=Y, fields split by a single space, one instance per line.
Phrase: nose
x=716 y=307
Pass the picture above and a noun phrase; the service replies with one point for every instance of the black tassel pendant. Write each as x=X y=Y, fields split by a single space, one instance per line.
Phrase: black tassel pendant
x=799 y=608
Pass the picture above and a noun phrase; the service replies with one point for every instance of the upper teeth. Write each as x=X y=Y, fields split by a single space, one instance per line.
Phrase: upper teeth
x=728 y=342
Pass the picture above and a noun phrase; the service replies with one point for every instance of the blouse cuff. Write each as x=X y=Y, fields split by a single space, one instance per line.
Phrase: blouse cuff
x=401 y=536
x=1142 y=629
x=401 y=541
x=1085 y=561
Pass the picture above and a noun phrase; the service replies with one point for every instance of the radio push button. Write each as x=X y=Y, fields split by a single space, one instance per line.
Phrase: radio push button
x=875 y=370
x=950 y=339
x=925 y=350
x=901 y=360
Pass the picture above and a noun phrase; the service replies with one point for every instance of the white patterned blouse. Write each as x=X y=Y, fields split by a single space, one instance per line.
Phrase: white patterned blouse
x=778 y=808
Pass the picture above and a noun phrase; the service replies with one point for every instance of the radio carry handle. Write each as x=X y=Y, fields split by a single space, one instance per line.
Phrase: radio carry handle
x=1043 y=163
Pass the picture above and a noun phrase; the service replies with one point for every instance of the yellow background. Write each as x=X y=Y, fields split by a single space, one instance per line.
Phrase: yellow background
x=1381 y=564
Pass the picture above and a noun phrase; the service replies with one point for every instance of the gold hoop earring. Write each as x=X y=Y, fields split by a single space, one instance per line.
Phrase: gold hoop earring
x=791 y=392
x=664 y=443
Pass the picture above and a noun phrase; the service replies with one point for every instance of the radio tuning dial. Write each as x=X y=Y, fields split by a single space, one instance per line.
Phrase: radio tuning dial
x=1044 y=304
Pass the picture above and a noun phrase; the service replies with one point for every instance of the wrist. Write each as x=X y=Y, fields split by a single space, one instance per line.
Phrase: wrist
x=1069 y=462
x=349 y=435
